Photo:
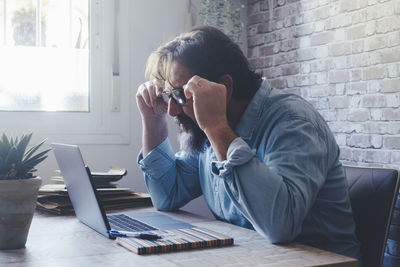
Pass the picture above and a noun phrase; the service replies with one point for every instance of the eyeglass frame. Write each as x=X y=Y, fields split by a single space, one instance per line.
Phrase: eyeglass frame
x=177 y=94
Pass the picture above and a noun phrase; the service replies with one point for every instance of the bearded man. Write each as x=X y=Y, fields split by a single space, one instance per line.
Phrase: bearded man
x=262 y=159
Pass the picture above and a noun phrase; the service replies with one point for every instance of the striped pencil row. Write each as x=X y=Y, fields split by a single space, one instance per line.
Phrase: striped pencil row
x=174 y=240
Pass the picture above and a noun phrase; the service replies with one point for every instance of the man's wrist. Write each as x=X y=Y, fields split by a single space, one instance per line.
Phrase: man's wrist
x=220 y=137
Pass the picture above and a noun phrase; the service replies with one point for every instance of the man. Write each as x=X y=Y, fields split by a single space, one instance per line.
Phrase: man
x=262 y=160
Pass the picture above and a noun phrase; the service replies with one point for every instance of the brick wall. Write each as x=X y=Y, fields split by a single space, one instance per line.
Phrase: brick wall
x=343 y=56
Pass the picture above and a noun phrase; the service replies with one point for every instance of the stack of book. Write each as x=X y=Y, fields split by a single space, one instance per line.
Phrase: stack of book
x=54 y=197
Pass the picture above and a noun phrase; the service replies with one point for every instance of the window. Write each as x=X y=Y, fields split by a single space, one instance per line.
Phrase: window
x=46 y=42
x=56 y=70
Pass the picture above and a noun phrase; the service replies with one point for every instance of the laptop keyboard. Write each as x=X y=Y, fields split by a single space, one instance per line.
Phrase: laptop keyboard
x=126 y=223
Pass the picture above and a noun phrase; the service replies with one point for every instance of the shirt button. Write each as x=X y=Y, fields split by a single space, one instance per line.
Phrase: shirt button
x=216 y=188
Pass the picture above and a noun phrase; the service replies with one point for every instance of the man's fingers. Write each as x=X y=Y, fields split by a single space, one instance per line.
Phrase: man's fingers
x=195 y=83
x=146 y=97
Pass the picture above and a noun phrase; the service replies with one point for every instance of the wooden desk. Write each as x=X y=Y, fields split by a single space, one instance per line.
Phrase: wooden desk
x=64 y=241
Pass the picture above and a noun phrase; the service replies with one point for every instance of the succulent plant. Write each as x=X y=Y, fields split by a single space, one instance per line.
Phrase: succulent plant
x=15 y=161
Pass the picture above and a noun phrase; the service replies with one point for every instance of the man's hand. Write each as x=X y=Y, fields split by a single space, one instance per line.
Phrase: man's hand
x=149 y=101
x=209 y=102
x=210 y=108
x=153 y=110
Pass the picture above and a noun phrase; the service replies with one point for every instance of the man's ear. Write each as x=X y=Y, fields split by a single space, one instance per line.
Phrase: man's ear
x=226 y=80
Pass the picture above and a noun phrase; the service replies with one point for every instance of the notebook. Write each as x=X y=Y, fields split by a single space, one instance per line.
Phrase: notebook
x=175 y=240
x=175 y=234
x=87 y=207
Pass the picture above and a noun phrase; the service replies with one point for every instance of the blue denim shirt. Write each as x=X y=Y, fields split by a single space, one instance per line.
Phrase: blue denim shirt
x=282 y=176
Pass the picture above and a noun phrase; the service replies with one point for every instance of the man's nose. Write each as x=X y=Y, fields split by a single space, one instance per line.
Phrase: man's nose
x=173 y=108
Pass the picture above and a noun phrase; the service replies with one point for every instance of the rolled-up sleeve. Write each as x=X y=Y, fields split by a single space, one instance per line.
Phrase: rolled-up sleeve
x=172 y=180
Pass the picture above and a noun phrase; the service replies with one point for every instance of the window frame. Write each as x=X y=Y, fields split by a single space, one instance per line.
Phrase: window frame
x=107 y=121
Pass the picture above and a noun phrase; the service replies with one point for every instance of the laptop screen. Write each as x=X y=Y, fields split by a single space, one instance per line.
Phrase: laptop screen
x=80 y=188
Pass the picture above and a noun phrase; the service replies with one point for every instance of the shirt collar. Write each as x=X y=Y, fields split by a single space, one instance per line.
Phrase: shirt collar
x=251 y=115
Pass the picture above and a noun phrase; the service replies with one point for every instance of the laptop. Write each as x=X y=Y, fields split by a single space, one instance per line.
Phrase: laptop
x=89 y=210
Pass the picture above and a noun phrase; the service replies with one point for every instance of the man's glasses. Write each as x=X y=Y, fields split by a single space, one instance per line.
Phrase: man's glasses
x=177 y=95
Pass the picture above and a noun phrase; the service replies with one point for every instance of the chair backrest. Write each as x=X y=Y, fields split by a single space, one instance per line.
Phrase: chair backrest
x=373 y=193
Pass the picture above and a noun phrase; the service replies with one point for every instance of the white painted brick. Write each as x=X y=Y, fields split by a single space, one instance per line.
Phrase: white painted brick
x=395 y=158
x=373 y=101
x=370 y=28
x=322 y=78
x=252 y=30
x=288 y=45
x=319 y=26
x=343 y=56
x=388 y=86
x=360 y=141
x=388 y=24
x=374 y=127
x=373 y=87
x=340 y=49
x=355 y=75
x=340 y=35
x=345 y=127
x=393 y=39
x=305 y=29
x=390 y=55
x=304 y=80
x=393 y=100
x=391 y=142
x=342 y=114
x=321 y=12
x=341 y=62
x=311 y=4
x=349 y=5
x=386 y=9
x=317 y=91
x=391 y=114
x=375 y=42
x=358 y=16
x=356 y=88
x=338 y=21
x=376 y=141
x=355 y=101
x=339 y=76
x=397 y=7
x=321 y=65
x=372 y=13
x=303 y=41
x=323 y=2
x=278 y=83
x=306 y=54
x=339 y=88
x=377 y=156
x=376 y=114
x=392 y=71
x=358 y=115
x=357 y=46
x=339 y=102
x=373 y=73
x=290 y=69
x=356 y=32
x=305 y=68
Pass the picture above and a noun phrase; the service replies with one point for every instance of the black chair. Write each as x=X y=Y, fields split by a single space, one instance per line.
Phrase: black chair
x=373 y=193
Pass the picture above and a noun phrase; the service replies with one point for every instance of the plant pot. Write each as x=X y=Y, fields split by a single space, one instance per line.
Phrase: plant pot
x=17 y=205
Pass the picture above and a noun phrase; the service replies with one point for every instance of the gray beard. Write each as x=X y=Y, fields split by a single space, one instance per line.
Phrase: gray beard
x=193 y=140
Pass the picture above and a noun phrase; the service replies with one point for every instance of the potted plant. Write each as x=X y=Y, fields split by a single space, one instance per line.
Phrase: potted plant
x=18 y=189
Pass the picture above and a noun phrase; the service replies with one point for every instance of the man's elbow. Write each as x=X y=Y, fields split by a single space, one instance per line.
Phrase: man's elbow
x=164 y=206
x=280 y=235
